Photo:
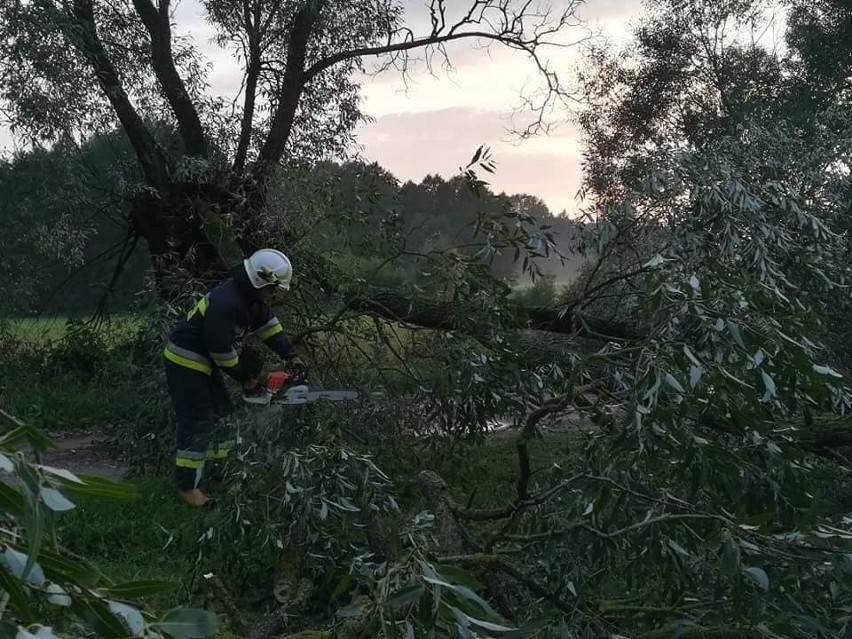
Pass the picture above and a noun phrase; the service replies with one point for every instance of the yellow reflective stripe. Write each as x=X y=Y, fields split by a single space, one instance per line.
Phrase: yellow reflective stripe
x=218 y=453
x=226 y=360
x=181 y=462
x=201 y=307
x=269 y=332
x=187 y=363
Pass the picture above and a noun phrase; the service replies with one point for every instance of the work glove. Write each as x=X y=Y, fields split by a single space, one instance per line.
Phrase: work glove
x=299 y=369
x=256 y=394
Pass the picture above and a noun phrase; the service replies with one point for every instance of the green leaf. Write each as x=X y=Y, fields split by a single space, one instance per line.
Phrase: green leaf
x=55 y=500
x=405 y=597
x=827 y=370
x=758 y=576
x=33 y=514
x=17 y=596
x=61 y=472
x=462 y=623
x=28 y=434
x=35 y=632
x=458 y=575
x=99 y=617
x=768 y=385
x=695 y=374
x=134 y=589
x=130 y=616
x=6 y=464
x=736 y=333
x=671 y=381
x=494 y=627
x=101 y=488
x=57 y=596
x=188 y=623
x=20 y=565
x=680 y=550
x=529 y=629
x=11 y=501
x=60 y=568
x=352 y=610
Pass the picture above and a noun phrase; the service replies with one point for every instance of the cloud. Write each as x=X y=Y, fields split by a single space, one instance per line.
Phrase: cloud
x=414 y=144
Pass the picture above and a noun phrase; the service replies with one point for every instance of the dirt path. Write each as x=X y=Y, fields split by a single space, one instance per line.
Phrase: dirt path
x=88 y=452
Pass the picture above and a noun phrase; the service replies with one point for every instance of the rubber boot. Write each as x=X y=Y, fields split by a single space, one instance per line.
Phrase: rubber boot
x=194 y=497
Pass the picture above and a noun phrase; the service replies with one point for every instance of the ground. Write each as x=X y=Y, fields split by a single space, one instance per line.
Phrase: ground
x=91 y=452
x=86 y=452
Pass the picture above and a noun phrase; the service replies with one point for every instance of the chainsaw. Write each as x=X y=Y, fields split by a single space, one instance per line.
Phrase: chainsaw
x=296 y=391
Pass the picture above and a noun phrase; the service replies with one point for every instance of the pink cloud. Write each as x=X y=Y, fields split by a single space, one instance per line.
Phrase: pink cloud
x=413 y=145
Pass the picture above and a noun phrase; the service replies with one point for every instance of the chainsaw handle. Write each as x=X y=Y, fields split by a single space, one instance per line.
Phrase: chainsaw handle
x=275 y=380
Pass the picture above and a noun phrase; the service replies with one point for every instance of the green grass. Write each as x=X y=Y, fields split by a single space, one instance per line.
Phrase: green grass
x=43 y=330
x=75 y=383
x=152 y=538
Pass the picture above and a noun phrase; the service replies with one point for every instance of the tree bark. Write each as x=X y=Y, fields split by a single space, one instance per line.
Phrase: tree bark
x=153 y=161
x=393 y=305
x=453 y=539
x=291 y=91
x=180 y=228
x=252 y=76
x=157 y=24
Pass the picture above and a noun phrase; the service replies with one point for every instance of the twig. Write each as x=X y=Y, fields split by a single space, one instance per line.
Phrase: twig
x=607 y=535
x=516 y=506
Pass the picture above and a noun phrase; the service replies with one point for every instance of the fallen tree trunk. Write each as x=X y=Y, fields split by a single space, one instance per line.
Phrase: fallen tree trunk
x=392 y=304
x=829 y=436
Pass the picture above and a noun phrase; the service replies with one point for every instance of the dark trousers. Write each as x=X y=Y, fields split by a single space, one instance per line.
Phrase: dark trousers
x=198 y=402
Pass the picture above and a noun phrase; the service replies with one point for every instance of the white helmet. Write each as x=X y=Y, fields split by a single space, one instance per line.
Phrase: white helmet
x=268 y=267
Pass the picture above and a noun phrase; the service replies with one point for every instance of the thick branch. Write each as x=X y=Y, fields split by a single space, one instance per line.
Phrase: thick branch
x=85 y=37
x=292 y=86
x=253 y=67
x=393 y=305
x=398 y=47
x=191 y=131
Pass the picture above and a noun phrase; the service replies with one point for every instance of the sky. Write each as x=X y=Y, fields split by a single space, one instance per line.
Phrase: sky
x=432 y=123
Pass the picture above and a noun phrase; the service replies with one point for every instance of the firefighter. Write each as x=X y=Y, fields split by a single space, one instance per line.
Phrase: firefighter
x=201 y=348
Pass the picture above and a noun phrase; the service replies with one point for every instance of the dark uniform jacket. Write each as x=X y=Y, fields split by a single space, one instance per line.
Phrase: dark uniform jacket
x=219 y=321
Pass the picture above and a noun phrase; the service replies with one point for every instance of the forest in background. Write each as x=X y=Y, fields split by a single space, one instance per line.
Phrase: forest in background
x=67 y=223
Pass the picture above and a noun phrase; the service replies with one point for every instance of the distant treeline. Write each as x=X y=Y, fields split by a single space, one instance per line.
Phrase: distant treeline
x=65 y=219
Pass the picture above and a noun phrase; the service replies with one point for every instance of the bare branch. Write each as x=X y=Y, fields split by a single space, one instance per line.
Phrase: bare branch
x=516 y=506
x=564 y=532
x=517 y=27
x=84 y=37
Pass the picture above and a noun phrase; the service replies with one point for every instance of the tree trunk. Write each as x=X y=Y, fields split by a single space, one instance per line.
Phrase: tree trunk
x=393 y=305
x=185 y=235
